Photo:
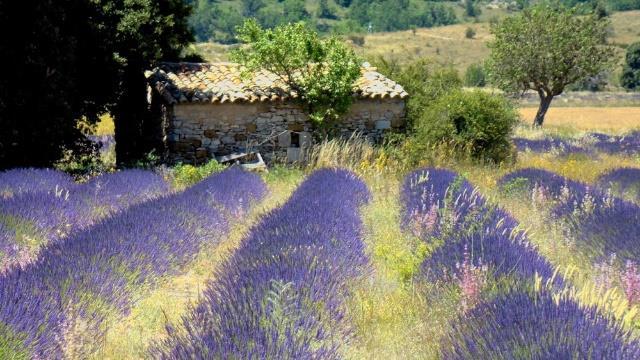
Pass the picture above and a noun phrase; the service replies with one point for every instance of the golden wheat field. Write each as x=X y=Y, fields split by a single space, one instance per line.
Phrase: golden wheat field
x=610 y=119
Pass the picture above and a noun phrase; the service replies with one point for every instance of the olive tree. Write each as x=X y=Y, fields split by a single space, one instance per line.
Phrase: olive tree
x=546 y=48
x=320 y=72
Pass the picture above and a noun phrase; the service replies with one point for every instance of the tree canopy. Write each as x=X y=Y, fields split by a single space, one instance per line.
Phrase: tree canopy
x=321 y=72
x=546 y=48
x=630 y=78
x=78 y=59
x=217 y=20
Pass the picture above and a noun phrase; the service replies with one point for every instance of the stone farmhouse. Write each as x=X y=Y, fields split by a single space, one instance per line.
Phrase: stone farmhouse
x=207 y=110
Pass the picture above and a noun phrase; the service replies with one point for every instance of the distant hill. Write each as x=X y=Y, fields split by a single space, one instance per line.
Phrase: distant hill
x=448 y=44
x=216 y=20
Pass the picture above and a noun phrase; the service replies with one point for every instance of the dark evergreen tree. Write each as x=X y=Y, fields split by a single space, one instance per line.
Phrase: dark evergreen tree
x=80 y=58
x=58 y=68
x=630 y=78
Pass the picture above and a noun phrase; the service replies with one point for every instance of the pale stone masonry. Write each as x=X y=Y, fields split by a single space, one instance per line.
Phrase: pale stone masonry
x=206 y=110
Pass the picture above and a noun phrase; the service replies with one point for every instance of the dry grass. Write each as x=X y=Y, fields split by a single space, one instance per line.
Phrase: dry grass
x=610 y=119
x=393 y=316
x=448 y=44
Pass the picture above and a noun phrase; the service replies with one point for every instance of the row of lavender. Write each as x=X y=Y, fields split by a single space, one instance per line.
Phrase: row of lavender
x=599 y=223
x=38 y=206
x=282 y=294
x=56 y=306
x=628 y=144
x=478 y=247
x=601 y=226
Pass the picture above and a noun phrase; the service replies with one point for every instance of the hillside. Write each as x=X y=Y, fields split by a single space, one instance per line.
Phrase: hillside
x=448 y=44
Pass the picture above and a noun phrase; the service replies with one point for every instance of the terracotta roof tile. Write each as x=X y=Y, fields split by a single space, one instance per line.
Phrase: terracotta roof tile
x=222 y=82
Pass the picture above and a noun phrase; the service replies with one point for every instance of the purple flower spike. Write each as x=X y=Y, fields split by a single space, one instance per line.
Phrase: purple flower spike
x=281 y=295
x=92 y=273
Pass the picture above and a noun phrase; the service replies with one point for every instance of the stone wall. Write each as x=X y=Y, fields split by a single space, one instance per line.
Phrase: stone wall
x=194 y=133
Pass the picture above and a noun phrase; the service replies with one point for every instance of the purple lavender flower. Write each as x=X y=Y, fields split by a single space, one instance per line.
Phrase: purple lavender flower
x=518 y=325
x=281 y=295
x=623 y=181
x=600 y=223
x=18 y=181
x=467 y=224
x=34 y=218
x=91 y=274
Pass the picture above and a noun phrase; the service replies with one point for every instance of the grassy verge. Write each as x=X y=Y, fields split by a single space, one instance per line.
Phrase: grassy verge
x=395 y=314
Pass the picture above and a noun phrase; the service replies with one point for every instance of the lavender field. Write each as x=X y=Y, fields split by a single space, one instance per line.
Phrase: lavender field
x=359 y=259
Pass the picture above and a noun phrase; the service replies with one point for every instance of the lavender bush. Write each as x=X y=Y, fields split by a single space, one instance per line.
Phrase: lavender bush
x=624 y=181
x=628 y=144
x=519 y=325
x=467 y=229
x=281 y=295
x=35 y=217
x=64 y=296
x=17 y=181
x=600 y=223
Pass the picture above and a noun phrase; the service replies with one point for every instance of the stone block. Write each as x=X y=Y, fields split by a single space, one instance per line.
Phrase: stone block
x=297 y=127
x=370 y=125
x=228 y=140
x=201 y=153
x=294 y=155
x=305 y=140
x=210 y=133
x=397 y=122
x=383 y=124
x=251 y=128
x=284 y=140
x=195 y=142
x=240 y=137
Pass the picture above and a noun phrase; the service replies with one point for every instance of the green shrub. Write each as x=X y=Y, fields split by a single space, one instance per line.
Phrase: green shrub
x=630 y=78
x=185 y=175
x=469 y=33
x=472 y=122
x=475 y=76
x=424 y=80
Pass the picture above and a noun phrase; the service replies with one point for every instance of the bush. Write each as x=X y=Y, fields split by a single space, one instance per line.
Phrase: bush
x=470 y=121
x=469 y=33
x=185 y=175
x=475 y=76
x=358 y=40
x=630 y=78
x=424 y=80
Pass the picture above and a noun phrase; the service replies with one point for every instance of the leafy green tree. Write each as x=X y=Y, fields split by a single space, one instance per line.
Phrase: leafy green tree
x=471 y=122
x=321 y=72
x=470 y=9
x=294 y=11
x=424 y=80
x=546 y=48
x=251 y=7
x=630 y=78
x=325 y=11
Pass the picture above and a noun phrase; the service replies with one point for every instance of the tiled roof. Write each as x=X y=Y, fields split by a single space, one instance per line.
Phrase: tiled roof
x=222 y=83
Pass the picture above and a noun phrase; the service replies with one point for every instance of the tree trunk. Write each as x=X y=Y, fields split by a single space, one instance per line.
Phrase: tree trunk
x=545 y=102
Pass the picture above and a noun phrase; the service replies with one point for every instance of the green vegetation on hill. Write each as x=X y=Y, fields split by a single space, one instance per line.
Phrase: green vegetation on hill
x=217 y=20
